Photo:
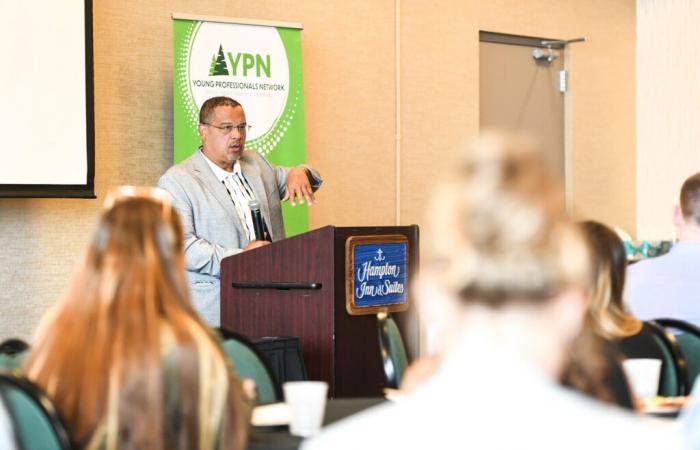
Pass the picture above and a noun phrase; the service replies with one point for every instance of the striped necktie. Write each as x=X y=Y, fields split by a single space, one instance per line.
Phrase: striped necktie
x=241 y=194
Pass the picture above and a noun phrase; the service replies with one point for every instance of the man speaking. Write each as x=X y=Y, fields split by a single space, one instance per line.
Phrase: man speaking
x=212 y=191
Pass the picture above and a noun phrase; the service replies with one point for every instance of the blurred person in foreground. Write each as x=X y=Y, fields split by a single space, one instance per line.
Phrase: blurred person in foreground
x=124 y=356
x=594 y=364
x=513 y=272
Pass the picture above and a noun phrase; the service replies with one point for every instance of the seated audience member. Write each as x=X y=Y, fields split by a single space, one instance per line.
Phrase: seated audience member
x=124 y=356
x=500 y=252
x=668 y=286
x=594 y=359
x=594 y=365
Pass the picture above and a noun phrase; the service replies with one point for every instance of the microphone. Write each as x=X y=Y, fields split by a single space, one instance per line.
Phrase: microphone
x=258 y=226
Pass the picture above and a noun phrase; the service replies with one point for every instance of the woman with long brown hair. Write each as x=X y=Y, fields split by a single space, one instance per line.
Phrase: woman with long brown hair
x=594 y=365
x=607 y=312
x=124 y=356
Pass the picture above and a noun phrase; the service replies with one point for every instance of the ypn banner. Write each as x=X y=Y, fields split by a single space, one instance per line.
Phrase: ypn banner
x=260 y=67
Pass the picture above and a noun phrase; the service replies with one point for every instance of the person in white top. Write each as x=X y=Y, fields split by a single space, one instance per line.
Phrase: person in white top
x=503 y=262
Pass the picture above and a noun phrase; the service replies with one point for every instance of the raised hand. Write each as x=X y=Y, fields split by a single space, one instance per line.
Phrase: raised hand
x=299 y=187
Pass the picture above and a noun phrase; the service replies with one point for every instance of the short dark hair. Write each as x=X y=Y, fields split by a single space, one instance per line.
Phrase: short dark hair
x=208 y=107
x=690 y=199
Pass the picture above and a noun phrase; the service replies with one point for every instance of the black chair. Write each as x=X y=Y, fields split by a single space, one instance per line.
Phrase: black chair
x=248 y=362
x=36 y=423
x=13 y=346
x=393 y=351
x=653 y=341
x=284 y=355
x=688 y=338
x=12 y=354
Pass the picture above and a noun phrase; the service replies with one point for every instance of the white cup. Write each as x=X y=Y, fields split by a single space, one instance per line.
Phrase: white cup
x=307 y=405
x=643 y=376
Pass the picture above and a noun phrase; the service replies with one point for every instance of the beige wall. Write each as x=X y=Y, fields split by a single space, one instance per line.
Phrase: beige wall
x=668 y=109
x=349 y=70
x=440 y=88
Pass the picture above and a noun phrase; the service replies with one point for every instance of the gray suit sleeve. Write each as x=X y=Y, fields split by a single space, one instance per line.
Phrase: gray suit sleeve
x=201 y=255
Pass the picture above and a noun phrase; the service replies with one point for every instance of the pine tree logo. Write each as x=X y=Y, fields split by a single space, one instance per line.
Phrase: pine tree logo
x=218 y=64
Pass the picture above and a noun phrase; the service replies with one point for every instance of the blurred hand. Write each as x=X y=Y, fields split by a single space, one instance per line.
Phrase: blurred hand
x=250 y=390
x=299 y=187
x=419 y=372
x=255 y=244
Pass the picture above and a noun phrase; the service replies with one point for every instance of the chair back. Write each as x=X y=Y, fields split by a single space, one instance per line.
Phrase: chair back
x=284 y=357
x=35 y=420
x=688 y=337
x=655 y=342
x=13 y=352
x=248 y=362
x=8 y=363
x=393 y=351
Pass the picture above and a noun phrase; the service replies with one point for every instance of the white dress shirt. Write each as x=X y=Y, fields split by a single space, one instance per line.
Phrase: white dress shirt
x=240 y=191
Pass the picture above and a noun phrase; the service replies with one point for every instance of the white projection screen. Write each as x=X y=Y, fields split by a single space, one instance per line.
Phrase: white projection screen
x=47 y=106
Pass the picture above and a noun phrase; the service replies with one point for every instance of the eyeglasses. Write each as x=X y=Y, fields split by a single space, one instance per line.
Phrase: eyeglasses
x=121 y=193
x=227 y=129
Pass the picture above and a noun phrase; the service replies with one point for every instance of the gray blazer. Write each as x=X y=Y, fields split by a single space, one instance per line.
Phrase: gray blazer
x=212 y=228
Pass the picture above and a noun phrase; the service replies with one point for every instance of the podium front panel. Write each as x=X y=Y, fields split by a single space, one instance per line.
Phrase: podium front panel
x=338 y=348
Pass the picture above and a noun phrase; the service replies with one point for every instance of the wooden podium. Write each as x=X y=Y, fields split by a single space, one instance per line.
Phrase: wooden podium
x=297 y=287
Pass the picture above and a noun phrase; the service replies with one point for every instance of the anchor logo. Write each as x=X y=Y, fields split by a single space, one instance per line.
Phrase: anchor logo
x=379 y=256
